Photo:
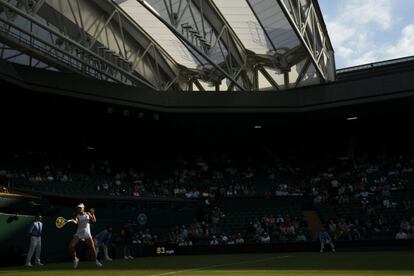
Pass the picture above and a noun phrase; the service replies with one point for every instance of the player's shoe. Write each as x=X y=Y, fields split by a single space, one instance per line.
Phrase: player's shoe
x=130 y=257
x=98 y=264
x=126 y=257
x=75 y=263
x=39 y=264
x=28 y=265
x=108 y=259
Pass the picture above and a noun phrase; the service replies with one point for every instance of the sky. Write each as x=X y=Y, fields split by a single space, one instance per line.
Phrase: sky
x=365 y=31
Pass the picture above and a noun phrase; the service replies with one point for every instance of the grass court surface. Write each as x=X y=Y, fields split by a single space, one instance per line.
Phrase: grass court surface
x=361 y=263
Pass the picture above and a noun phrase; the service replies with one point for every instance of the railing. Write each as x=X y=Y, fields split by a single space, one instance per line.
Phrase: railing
x=54 y=53
x=374 y=65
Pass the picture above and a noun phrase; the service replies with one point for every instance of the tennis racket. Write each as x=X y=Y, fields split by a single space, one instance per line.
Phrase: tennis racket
x=60 y=222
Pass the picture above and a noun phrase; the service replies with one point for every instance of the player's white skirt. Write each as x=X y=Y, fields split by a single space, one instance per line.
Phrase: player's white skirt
x=83 y=235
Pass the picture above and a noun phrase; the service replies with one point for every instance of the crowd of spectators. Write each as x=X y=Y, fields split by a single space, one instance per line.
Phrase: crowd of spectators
x=342 y=182
x=191 y=178
x=406 y=229
x=345 y=181
x=373 y=227
x=357 y=183
x=360 y=182
x=280 y=228
x=211 y=226
x=355 y=229
x=132 y=233
x=366 y=184
x=263 y=230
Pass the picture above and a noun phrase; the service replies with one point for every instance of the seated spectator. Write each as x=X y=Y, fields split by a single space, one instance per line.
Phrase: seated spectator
x=301 y=237
x=264 y=238
x=280 y=219
x=231 y=241
x=214 y=241
x=405 y=225
x=239 y=240
x=186 y=242
x=401 y=235
x=224 y=239
x=136 y=193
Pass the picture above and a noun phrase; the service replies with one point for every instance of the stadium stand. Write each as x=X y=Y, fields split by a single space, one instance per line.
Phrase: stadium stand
x=342 y=182
x=356 y=199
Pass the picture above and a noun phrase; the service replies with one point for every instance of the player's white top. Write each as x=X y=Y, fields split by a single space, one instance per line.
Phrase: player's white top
x=83 y=224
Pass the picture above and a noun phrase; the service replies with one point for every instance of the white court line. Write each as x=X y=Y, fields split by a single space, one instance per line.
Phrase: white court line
x=220 y=265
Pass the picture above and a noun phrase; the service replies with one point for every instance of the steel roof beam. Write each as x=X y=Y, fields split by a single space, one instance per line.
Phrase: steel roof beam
x=95 y=25
x=218 y=23
x=22 y=31
x=307 y=25
x=189 y=44
x=203 y=24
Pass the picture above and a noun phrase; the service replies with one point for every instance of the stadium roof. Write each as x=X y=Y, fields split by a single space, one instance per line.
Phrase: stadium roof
x=184 y=45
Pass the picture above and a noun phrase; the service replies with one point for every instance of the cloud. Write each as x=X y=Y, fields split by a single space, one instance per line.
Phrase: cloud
x=345 y=52
x=342 y=33
x=404 y=46
x=377 y=12
x=369 y=31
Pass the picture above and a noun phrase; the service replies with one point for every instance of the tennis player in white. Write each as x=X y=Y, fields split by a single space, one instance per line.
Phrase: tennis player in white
x=83 y=233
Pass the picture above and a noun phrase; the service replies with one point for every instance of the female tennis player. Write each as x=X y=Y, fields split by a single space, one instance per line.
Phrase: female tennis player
x=83 y=219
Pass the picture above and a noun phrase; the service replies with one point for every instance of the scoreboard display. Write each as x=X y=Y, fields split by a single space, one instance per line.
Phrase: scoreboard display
x=161 y=250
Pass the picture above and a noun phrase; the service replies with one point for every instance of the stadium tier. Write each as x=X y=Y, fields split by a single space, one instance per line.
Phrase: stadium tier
x=358 y=199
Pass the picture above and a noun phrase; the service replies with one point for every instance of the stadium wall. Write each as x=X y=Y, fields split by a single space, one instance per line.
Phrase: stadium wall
x=384 y=85
x=344 y=246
